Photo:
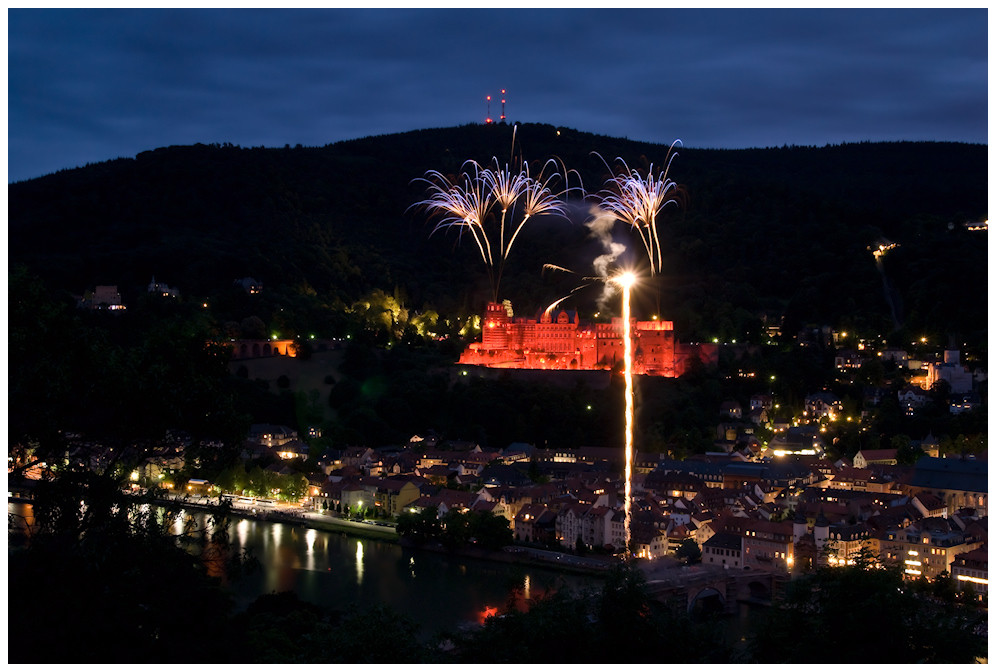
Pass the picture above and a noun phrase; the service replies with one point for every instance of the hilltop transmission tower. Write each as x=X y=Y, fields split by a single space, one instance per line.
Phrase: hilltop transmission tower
x=488 y=119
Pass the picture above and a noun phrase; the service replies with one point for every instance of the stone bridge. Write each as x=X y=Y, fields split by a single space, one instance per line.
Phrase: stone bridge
x=712 y=589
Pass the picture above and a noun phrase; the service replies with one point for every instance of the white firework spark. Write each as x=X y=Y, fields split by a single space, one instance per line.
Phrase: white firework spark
x=638 y=200
x=469 y=201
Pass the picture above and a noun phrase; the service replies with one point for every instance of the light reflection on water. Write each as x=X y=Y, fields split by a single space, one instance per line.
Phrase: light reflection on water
x=242 y=531
x=359 y=562
x=339 y=572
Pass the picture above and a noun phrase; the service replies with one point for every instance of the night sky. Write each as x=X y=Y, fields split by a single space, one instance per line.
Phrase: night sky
x=91 y=85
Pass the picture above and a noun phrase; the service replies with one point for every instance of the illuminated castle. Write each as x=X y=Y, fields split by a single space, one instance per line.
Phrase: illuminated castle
x=557 y=339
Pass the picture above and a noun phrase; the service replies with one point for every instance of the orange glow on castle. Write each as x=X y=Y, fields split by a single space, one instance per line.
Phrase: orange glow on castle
x=559 y=340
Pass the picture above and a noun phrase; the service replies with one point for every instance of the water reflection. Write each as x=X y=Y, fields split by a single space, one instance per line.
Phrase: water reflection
x=310 y=536
x=242 y=531
x=359 y=562
x=445 y=593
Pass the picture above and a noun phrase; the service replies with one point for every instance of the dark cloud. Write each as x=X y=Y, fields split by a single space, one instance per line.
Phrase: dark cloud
x=91 y=85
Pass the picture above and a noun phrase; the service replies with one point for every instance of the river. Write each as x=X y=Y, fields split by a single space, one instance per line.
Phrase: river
x=438 y=591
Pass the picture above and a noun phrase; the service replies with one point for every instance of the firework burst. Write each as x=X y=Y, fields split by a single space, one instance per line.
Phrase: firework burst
x=469 y=203
x=638 y=201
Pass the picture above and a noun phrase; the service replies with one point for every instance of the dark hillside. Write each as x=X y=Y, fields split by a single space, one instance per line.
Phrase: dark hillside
x=766 y=232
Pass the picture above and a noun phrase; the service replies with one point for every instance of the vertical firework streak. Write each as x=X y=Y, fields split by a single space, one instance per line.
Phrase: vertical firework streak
x=626 y=280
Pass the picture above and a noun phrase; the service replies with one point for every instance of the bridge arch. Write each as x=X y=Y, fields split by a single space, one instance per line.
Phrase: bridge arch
x=707 y=601
x=759 y=590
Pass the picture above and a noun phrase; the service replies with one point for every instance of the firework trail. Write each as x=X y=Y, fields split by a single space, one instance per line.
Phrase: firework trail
x=600 y=227
x=626 y=281
x=891 y=295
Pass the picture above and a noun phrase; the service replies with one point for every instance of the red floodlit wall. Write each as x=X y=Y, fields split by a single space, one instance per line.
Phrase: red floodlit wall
x=558 y=340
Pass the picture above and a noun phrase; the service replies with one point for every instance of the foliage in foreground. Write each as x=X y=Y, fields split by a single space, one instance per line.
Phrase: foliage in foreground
x=865 y=614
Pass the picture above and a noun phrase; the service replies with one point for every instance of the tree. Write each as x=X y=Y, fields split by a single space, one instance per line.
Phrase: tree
x=456 y=529
x=824 y=614
x=492 y=532
x=126 y=592
x=906 y=452
x=420 y=527
x=689 y=552
x=259 y=482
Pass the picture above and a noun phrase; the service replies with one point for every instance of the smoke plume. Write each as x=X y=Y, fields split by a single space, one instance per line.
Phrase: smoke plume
x=600 y=227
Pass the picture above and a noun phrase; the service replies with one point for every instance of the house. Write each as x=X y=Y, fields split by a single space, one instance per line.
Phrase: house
x=330 y=460
x=930 y=446
x=570 y=524
x=952 y=372
x=199 y=487
x=759 y=417
x=354 y=497
x=899 y=357
x=765 y=544
x=912 y=398
x=823 y=404
x=358 y=456
x=723 y=549
x=761 y=406
x=444 y=501
x=535 y=523
x=393 y=495
x=603 y=527
x=963 y=403
x=103 y=297
x=162 y=289
x=648 y=542
x=847 y=359
x=250 y=285
x=845 y=543
x=972 y=569
x=865 y=457
x=731 y=408
x=517 y=452
x=271 y=435
x=293 y=450
x=801 y=440
x=929 y=506
x=437 y=474
x=873 y=396
x=852 y=478
x=925 y=548
x=157 y=467
x=700 y=526
x=760 y=402
x=959 y=483
x=503 y=474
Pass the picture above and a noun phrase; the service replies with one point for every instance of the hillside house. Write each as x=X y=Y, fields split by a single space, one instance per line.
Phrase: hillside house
x=723 y=549
x=865 y=457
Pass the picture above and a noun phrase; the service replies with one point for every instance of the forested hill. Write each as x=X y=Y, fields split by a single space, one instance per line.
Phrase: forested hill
x=764 y=232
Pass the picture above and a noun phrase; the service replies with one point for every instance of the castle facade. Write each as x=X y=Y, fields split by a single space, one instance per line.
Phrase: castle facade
x=557 y=339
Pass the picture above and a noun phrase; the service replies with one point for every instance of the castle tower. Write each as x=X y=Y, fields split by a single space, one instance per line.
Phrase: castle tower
x=821 y=531
x=495 y=327
x=799 y=526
